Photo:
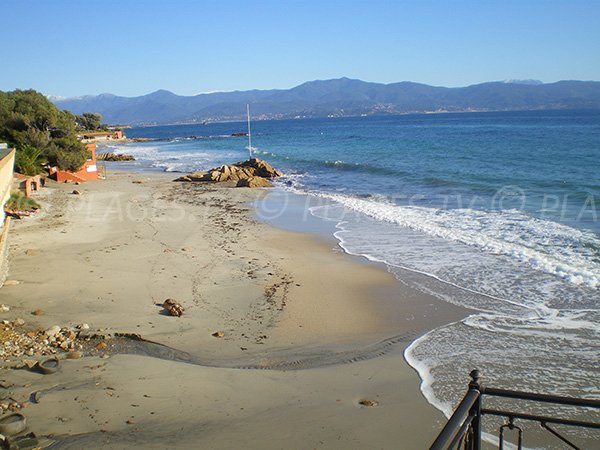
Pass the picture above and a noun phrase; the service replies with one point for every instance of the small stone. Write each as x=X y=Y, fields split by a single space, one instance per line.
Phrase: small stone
x=4 y=308
x=29 y=363
x=369 y=403
x=11 y=282
x=84 y=326
x=52 y=331
x=37 y=312
x=74 y=355
x=129 y=422
x=101 y=346
x=30 y=334
x=76 y=192
x=19 y=322
x=218 y=334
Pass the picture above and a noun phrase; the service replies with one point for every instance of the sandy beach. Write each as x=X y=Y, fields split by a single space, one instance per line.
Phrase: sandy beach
x=307 y=331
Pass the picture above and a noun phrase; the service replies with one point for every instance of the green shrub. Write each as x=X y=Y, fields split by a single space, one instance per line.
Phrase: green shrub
x=29 y=160
x=18 y=202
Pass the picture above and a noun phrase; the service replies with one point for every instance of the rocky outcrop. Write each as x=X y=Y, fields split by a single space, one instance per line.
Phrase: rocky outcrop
x=109 y=156
x=256 y=170
x=254 y=182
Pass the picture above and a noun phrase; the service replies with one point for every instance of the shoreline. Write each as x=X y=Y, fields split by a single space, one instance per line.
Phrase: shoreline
x=285 y=301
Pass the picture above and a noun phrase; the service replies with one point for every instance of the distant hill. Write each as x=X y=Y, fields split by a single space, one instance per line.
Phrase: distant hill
x=338 y=97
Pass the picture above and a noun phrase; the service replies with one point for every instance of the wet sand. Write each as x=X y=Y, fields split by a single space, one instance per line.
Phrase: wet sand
x=308 y=331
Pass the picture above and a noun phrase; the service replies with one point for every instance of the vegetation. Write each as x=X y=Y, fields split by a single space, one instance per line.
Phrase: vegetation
x=42 y=133
x=90 y=122
x=29 y=160
x=18 y=202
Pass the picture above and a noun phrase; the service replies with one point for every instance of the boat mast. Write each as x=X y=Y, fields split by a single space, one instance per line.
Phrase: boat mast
x=249 y=135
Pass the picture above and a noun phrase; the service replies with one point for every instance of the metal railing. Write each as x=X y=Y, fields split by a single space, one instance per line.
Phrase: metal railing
x=464 y=428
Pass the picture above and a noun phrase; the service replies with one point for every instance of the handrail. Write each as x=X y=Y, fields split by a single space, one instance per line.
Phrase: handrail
x=561 y=400
x=454 y=425
x=464 y=426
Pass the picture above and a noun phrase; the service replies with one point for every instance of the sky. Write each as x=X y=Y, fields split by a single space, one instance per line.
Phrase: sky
x=134 y=47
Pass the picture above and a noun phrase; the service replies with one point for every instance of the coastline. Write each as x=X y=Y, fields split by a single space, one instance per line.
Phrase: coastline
x=308 y=330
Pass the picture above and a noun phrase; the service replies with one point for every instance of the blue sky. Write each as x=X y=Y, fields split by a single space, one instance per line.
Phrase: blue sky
x=131 y=47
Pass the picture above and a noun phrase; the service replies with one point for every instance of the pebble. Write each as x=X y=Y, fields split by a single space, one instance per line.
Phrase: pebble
x=218 y=334
x=15 y=343
x=11 y=282
x=4 y=308
x=37 y=312
x=52 y=331
x=370 y=403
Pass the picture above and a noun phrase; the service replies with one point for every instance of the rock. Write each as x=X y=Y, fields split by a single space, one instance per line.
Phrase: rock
x=173 y=308
x=101 y=346
x=261 y=168
x=254 y=182
x=109 y=156
x=11 y=282
x=369 y=403
x=74 y=355
x=83 y=326
x=4 y=308
x=19 y=322
x=76 y=192
x=52 y=331
x=251 y=168
x=37 y=312
x=218 y=334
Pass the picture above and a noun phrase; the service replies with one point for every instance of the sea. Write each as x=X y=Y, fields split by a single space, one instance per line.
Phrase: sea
x=498 y=212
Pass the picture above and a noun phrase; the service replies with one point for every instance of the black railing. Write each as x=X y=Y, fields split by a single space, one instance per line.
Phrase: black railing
x=464 y=428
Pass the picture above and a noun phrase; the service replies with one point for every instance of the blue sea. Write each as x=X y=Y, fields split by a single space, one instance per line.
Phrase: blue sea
x=497 y=212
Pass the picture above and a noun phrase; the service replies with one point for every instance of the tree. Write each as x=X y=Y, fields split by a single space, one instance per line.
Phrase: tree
x=89 y=121
x=67 y=153
x=29 y=160
x=41 y=132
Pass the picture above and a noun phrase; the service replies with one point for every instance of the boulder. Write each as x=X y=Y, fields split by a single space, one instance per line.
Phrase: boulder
x=254 y=182
x=261 y=168
x=109 y=156
x=252 y=168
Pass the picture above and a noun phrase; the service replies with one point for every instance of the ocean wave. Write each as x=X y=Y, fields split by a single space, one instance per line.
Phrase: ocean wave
x=566 y=252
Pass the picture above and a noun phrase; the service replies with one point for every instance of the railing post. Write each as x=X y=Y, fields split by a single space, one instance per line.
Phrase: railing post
x=476 y=411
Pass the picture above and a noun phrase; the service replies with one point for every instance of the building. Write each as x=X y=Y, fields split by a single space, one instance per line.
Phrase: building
x=89 y=170
x=28 y=184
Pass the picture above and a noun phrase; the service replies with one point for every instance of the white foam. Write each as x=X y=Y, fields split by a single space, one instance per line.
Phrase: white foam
x=543 y=245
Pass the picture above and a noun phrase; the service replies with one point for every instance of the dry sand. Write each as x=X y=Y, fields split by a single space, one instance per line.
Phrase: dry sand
x=308 y=331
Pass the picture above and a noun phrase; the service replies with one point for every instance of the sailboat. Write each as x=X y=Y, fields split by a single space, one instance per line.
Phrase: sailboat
x=249 y=134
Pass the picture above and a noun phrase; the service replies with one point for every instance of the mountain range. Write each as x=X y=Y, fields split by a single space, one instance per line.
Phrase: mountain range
x=336 y=98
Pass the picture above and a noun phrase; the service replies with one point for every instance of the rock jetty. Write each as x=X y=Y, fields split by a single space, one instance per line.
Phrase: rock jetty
x=109 y=156
x=251 y=173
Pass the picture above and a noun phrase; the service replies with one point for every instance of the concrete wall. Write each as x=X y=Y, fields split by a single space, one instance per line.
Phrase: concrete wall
x=7 y=164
